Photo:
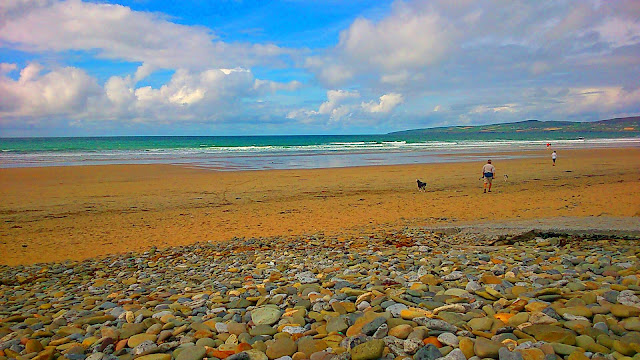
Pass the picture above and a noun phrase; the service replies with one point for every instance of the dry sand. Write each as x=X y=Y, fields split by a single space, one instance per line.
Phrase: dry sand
x=57 y=213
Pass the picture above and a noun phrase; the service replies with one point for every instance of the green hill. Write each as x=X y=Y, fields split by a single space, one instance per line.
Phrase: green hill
x=627 y=125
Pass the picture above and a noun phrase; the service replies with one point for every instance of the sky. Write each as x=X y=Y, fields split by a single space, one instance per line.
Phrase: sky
x=235 y=67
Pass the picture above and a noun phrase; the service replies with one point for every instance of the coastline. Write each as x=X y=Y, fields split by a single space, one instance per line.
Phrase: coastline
x=79 y=212
x=270 y=154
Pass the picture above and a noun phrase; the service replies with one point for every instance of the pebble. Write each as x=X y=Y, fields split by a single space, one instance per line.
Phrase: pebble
x=408 y=293
x=427 y=352
x=194 y=352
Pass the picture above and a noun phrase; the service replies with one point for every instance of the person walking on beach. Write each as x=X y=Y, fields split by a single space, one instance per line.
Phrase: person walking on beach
x=488 y=173
x=554 y=156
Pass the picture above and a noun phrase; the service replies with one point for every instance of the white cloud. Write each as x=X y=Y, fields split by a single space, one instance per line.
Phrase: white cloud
x=343 y=104
x=64 y=91
x=387 y=103
x=213 y=94
x=117 y=32
x=508 y=108
x=336 y=99
x=439 y=44
x=273 y=86
x=6 y=68
x=620 y=32
x=408 y=39
x=599 y=100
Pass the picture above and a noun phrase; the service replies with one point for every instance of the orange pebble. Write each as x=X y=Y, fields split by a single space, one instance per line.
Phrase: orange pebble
x=433 y=341
x=121 y=344
x=221 y=354
x=503 y=317
x=243 y=347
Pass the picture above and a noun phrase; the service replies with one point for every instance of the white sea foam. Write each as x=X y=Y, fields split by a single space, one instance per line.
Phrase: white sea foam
x=302 y=156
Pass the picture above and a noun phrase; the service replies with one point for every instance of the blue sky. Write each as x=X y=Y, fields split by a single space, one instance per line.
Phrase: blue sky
x=143 y=67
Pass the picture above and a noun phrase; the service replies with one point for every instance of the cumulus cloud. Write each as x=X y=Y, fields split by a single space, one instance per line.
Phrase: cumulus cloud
x=405 y=40
x=387 y=103
x=117 y=32
x=212 y=94
x=445 y=44
x=64 y=91
x=343 y=104
x=335 y=100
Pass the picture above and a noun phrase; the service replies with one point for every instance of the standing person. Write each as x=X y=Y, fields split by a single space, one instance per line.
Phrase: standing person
x=488 y=173
x=554 y=156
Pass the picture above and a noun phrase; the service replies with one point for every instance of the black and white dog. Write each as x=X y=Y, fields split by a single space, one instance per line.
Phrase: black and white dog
x=422 y=186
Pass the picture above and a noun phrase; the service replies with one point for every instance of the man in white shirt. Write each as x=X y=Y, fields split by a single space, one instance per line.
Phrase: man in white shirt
x=554 y=156
x=488 y=173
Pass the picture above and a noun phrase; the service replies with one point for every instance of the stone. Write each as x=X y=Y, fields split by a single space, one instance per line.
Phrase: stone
x=262 y=329
x=481 y=324
x=154 y=357
x=624 y=311
x=137 y=339
x=629 y=298
x=32 y=346
x=129 y=330
x=455 y=354
x=505 y=354
x=551 y=334
x=401 y=331
x=337 y=324
x=306 y=277
x=265 y=315
x=145 y=348
x=396 y=309
x=564 y=349
x=577 y=355
x=283 y=346
x=466 y=346
x=531 y=354
x=631 y=324
x=256 y=355
x=449 y=339
x=370 y=327
x=435 y=324
x=369 y=350
x=454 y=275
x=485 y=348
x=518 y=319
x=194 y=352
x=427 y=352
x=309 y=345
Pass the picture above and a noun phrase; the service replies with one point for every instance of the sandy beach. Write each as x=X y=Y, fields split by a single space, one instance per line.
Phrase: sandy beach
x=57 y=213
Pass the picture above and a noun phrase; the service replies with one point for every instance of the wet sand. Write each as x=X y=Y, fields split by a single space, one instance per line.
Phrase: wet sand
x=58 y=213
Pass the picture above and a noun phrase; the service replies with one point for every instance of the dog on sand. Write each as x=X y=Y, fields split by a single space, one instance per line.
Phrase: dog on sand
x=422 y=186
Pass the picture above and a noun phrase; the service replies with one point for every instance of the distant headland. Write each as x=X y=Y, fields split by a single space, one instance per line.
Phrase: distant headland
x=630 y=125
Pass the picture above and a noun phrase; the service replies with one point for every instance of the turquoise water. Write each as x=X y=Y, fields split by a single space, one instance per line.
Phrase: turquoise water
x=286 y=152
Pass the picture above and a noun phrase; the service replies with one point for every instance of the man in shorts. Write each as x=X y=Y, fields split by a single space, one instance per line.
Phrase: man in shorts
x=488 y=173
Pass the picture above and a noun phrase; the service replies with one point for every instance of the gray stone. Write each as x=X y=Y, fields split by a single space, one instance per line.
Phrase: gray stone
x=436 y=324
x=505 y=354
x=448 y=339
x=428 y=352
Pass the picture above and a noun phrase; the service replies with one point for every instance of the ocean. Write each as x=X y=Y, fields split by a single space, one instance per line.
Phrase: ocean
x=229 y=153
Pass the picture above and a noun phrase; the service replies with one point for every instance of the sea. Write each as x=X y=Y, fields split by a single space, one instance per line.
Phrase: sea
x=238 y=153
